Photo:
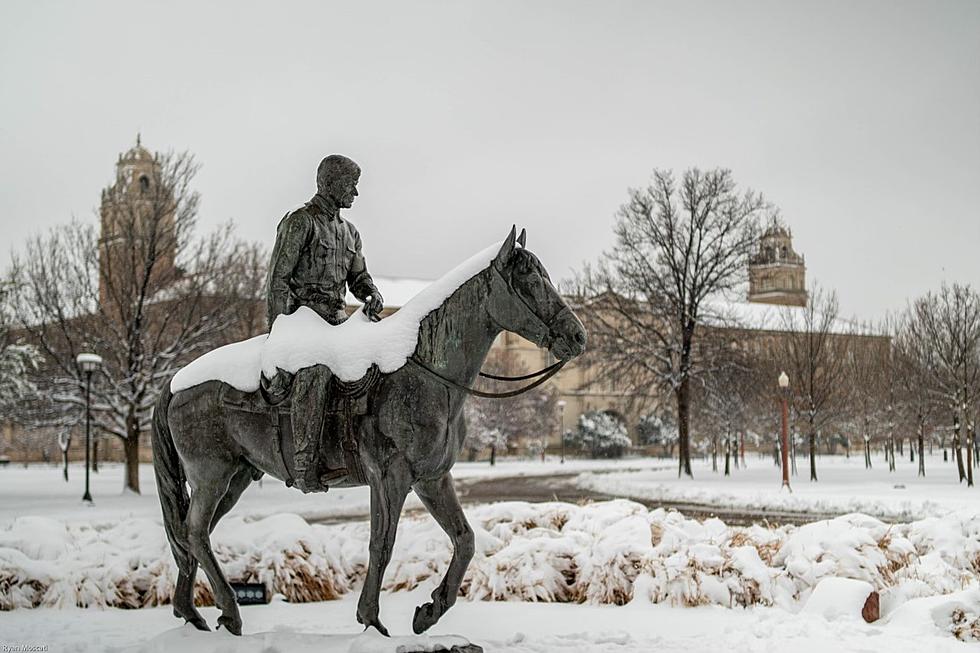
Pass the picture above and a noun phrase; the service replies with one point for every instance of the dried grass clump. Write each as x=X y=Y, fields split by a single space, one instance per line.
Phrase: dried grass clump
x=965 y=626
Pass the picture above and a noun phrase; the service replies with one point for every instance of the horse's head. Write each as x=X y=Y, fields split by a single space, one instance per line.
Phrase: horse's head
x=524 y=300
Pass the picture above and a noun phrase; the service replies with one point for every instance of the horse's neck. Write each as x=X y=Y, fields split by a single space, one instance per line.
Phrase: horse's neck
x=455 y=339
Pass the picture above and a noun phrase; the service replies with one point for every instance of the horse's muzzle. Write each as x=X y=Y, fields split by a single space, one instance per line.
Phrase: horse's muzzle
x=568 y=337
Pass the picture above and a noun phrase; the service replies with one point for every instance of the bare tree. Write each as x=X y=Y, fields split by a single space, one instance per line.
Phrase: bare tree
x=948 y=323
x=144 y=294
x=915 y=370
x=727 y=395
x=814 y=357
x=17 y=358
x=678 y=245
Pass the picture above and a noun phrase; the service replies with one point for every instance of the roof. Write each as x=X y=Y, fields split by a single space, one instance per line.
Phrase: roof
x=732 y=313
x=769 y=317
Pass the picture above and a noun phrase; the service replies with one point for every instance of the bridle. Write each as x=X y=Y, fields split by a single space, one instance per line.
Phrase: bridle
x=541 y=375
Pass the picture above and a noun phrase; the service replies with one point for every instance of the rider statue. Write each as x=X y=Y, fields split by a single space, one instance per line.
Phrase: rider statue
x=317 y=257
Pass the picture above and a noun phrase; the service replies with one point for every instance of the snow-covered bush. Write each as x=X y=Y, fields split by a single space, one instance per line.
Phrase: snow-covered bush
x=601 y=435
x=658 y=429
x=611 y=553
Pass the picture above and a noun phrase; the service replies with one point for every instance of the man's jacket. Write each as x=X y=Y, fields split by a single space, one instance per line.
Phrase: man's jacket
x=317 y=256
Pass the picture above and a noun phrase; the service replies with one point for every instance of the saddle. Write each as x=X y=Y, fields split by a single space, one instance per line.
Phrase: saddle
x=335 y=451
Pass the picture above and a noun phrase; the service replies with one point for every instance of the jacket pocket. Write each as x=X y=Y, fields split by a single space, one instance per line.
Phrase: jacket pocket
x=336 y=258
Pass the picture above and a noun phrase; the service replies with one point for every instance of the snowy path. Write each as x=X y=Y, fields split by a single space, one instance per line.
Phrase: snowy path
x=40 y=490
x=845 y=486
x=330 y=627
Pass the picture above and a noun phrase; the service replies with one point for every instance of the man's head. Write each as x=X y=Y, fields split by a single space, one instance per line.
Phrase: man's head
x=336 y=178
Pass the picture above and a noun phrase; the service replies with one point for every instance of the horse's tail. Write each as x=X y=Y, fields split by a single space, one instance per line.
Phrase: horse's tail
x=171 y=482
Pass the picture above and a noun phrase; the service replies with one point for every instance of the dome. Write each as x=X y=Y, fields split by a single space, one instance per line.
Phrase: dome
x=136 y=153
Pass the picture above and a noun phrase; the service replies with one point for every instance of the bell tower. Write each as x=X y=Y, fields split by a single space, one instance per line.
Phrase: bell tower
x=137 y=225
x=777 y=274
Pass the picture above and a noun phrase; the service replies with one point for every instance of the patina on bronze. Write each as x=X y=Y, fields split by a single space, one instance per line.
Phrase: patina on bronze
x=316 y=258
x=409 y=437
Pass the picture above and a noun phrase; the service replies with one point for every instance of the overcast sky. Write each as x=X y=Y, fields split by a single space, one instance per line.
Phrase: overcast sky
x=860 y=120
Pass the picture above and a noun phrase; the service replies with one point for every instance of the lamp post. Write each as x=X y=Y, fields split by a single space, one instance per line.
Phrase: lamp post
x=88 y=364
x=561 y=427
x=783 y=391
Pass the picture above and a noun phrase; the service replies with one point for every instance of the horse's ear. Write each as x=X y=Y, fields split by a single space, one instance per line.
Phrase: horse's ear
x=506 y=249
x=522 y=238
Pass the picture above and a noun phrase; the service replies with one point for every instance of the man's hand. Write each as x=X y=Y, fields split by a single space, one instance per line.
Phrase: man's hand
x=373 y=305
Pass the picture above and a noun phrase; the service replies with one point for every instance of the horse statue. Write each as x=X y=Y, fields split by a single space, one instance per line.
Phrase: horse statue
x=408 y=439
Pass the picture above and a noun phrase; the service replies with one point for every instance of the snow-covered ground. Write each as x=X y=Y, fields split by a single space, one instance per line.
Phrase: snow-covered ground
x=40 y=490
x=330 y=627
x=545 y=577
x=844 y=486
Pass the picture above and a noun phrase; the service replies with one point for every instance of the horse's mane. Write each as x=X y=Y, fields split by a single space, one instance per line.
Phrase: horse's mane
x=440 y=324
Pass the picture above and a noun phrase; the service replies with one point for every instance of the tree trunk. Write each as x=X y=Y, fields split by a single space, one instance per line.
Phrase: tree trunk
x=728 y=454
x=131 y=446
x=493 y=455
x=813 y=452
x=95 y=455
x=958 y=450
x=792 y=453
x=922 y=457
x=714 y=453
x=867 y=453
x=969 y=457
x=683 y=428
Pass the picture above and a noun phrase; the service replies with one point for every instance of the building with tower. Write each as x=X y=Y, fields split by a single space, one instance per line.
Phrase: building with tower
x=137 y=224
x=777 y=274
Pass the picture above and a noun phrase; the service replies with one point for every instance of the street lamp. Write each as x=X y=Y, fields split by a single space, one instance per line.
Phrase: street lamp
x=783 y=391
x=88 y=364
x=561 y=427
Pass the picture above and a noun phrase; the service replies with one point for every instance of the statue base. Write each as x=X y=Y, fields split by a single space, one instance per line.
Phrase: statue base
x=468 y=648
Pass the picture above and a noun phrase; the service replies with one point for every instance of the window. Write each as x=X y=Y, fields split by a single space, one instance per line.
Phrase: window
x=144 y=184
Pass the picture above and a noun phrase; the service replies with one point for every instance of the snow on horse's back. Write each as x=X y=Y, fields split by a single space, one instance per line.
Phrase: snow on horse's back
x=303 y=339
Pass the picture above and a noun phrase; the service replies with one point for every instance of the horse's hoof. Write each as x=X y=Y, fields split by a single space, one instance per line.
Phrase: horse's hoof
x=377 y=625
x=194 y=618
x=425 y=618
x=199 y=623
x=232 y=625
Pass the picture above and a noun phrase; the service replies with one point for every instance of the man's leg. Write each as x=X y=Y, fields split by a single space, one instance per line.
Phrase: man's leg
x=309 y=399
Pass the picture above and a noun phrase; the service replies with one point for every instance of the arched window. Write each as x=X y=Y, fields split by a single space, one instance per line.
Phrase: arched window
x=144 y=184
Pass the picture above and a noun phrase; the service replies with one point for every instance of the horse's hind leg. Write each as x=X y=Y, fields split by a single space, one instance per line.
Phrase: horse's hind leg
x=184 y=592
x=206 y=494
x=239 y=483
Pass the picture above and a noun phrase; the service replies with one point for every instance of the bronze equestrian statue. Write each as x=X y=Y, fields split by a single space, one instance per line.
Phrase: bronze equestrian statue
x=317 y=256
x=408 y=437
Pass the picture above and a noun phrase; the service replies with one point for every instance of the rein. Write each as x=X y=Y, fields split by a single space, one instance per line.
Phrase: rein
x=543 y=374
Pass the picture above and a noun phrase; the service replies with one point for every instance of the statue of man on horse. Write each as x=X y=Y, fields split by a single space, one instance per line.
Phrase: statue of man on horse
x=216 y=427
x=316 y=258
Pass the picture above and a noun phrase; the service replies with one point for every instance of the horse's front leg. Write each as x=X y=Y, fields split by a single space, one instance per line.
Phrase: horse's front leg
x=439 y=496
x=388 y=492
